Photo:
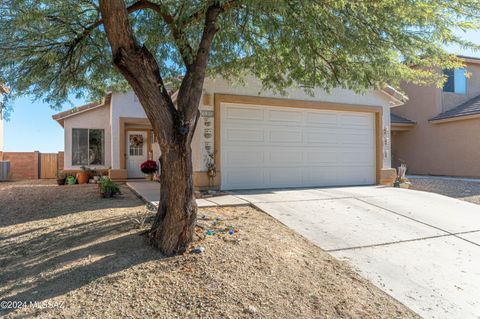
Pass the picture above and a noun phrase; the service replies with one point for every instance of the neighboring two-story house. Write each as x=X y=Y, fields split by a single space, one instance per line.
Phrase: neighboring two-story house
x=437 y=131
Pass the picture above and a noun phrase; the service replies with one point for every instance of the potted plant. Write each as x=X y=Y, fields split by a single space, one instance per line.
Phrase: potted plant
x=83 y=175
x=108 y=188
x=61 y=178
x=149 y=167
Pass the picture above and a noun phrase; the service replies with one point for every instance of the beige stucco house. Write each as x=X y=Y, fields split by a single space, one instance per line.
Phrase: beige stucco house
x=437 y=132
x=257 y=140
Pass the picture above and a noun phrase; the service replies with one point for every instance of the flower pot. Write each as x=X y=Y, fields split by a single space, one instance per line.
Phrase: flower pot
x=61 y=181
x=149 y=177
x=82 y=177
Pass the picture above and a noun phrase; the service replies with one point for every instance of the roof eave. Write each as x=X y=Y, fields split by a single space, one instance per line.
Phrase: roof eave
x=396 y=96
x=454 y=118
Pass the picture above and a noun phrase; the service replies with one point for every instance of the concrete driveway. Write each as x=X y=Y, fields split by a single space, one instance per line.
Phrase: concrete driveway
x=421 y=248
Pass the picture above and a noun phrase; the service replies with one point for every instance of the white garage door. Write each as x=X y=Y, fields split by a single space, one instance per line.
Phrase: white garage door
x=271 y=147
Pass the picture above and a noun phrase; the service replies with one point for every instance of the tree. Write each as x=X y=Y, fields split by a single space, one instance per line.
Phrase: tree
x=53 y=48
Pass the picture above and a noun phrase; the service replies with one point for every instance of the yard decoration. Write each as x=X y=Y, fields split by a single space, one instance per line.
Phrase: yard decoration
x=149 y=167
x=71 y=180
x=62 y=48
x=402 y=181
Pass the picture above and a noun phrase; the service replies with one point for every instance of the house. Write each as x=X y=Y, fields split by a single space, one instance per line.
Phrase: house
x=256 y=140
x=437 y=131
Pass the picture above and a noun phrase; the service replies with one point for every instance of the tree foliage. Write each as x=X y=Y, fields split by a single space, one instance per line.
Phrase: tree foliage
x=55 y=48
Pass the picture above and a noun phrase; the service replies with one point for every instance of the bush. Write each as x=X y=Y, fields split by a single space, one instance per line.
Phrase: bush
x=108 y=188
x=149 y=167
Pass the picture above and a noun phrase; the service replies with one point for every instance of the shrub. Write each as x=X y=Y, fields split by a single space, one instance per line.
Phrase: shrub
x=149 y=167
x=108 y=188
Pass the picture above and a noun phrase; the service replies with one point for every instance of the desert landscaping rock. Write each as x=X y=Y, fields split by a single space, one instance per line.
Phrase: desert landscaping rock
x=66 y=246
x=464 y=189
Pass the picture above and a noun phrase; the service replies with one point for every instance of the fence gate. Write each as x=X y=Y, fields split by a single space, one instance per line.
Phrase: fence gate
x=48 y=165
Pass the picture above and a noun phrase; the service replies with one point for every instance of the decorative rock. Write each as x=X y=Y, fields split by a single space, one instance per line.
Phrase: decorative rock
x=198 y=250
x=251 y=310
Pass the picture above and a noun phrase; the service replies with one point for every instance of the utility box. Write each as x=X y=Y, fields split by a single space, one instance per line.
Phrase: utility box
x=4 y=170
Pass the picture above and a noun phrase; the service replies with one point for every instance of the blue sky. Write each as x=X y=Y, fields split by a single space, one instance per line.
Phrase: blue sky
x=31 y=126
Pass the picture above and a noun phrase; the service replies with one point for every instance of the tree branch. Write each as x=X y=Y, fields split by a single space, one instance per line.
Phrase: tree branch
x=139 y=68
x=191 y=88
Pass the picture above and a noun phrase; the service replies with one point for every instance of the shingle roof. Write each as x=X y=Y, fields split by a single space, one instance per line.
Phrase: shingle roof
x=395 y=119
x=471 y=107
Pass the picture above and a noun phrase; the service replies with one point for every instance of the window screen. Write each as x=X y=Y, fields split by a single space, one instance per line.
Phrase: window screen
x=88 y=147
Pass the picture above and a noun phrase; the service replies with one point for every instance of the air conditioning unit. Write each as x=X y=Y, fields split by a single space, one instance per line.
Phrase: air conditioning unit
x=4 y=170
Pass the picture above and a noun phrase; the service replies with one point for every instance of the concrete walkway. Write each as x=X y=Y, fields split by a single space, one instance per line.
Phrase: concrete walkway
x=421 y=248
x=150 y=192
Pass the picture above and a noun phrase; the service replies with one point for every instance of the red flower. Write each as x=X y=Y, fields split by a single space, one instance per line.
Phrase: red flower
x=149 y=167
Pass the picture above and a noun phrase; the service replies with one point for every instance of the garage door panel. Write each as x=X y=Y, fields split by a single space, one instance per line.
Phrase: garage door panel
x=323 y=157
x=327 y=119
x=360 y=119
x=295 y=147
x=357 y=174
x=285 y=136
x=242 y=178
x=284 y=116
x=324 y=136
x=285 y=176
x=245 y=135
x=244 y=113
x=249 y=158
x=285 y=157
x=321 y=176
x=356 y=158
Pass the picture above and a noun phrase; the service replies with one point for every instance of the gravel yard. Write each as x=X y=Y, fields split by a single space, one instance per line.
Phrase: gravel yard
x=467 y=190
x=81 y=256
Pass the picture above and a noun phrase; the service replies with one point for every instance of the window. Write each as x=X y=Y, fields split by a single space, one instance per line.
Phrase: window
x=136 y=145
x=88 y=146
x=456 y=81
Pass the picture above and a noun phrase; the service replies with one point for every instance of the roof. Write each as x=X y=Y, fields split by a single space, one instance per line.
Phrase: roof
x=471 y=107
x=395 y=95
x=470 y=59
x=59 y=117
x=396 y=119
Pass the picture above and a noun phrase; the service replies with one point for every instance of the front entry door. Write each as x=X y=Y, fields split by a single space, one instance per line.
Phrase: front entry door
x=136 y=150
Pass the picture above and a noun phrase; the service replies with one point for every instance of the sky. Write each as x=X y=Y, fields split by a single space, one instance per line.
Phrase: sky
x=31 y=127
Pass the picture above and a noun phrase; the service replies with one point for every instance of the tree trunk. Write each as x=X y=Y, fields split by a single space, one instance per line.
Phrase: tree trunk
x=174 y=225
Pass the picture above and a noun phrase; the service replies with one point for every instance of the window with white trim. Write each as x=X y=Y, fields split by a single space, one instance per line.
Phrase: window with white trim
x=88 y=146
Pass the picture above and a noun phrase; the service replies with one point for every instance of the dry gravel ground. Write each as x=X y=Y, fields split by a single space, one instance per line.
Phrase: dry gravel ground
x=467 y=190
x=84 y=257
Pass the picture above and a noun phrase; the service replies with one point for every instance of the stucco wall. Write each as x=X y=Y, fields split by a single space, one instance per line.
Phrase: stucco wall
x=438 y=149
x=94 y=119
x=123 y=105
